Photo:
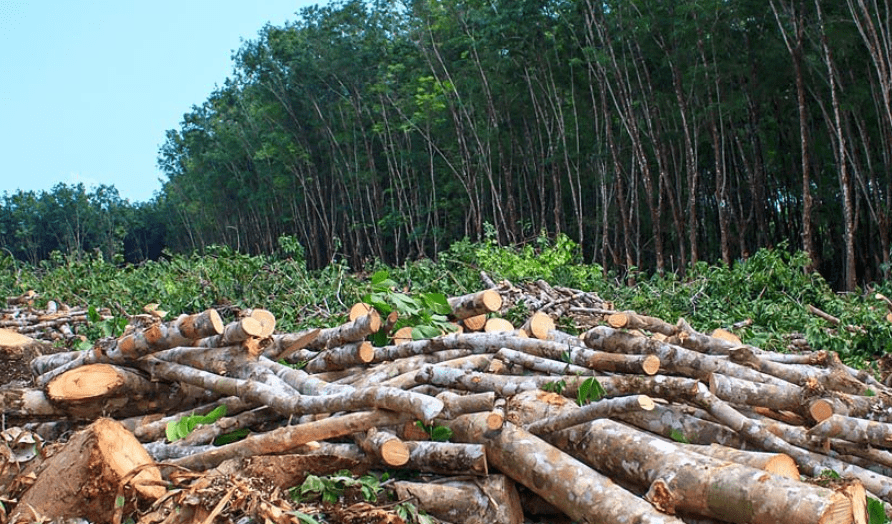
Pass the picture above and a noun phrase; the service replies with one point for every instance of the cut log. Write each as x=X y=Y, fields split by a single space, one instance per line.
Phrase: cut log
x=89 y=392
x=344 y=398
x=359 y=309
x=671 y=422
x=402 y=336
x=455 y=405
x=285 y=471
x=25 y=299
x=673 y=358
x=45 y=363
x=632 y=320
x=576 y=489
x=148 y=428
x=776 y=463
x=13 y=344
x=267 y=321
x=24 y=403
x=539 y=325
x=493 y=500
x=285 y=439
x=387 y=447
x=601 y=409
x=447 y=458
x=541 y=364
x=790 y=397
x=855 y=430
x=82 y=480
x=498 y=325
x=205 y=434
x=233 y=333
x=350 y=332
x=284 y=346
x=144 y=341
x=343 y=357
x=698 y=484
x=475 y=323
x=480 y=303
x=724 y=334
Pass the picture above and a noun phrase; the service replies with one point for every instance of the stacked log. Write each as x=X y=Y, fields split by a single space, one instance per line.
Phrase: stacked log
x=634 y=420
x=51 y=323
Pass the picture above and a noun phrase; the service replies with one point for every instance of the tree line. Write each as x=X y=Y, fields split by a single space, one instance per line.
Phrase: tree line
x=654 y=134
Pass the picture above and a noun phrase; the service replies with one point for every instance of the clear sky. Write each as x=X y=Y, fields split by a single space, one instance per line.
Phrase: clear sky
x=88 y=88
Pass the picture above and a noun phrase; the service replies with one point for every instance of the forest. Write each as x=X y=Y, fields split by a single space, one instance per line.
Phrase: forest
x=654 y=134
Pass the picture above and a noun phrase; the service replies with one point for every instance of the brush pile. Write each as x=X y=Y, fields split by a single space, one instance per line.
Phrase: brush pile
x=634 y=420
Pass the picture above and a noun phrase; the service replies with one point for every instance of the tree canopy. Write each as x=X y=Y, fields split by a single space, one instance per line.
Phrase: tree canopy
x=654 y=134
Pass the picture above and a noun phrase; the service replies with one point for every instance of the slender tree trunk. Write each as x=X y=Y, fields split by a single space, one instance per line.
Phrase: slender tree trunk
x=845 y=185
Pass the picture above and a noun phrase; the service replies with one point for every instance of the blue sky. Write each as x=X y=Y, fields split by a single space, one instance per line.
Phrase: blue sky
x=88 y=88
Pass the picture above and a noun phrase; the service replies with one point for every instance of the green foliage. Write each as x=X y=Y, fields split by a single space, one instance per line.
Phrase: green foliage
x=436 y=433
x=410 y=513
x=182 y=427
x=678 y=436
x=99 y=327
x=424 y=312
x=330 y=488
x=304 y=517
x=558 y=262
x=590 y=390
x=876 y=512
x=557 y=386
x=772 y=287
x=232 y=436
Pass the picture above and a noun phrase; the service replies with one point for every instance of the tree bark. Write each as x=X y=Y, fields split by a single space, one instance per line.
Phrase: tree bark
x=473 y=304
x=493 y=500
x=350 y=332
x=688 y=482
x=576 y=489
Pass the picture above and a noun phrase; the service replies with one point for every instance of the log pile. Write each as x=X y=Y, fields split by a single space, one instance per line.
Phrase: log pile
x=55 y=322
x=634 y=420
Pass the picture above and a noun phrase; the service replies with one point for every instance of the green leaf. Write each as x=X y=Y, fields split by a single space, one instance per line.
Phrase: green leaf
x=93 y=315
x=589 y=391
x=120 y=501
x=876 y=512
x=405 y=304
x=554 y=387
x=379 y=277
x=437 y=303
x=303 y=517
x=441 y=434
x=423 y=332
x=678 y=436
x=180 y=428
x=232 y=436
x=312 y=484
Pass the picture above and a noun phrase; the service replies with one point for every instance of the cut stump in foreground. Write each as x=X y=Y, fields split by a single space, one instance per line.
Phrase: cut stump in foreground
x=86 y=477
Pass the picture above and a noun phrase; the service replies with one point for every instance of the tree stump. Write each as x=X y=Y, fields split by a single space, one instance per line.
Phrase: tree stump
x=86 y=477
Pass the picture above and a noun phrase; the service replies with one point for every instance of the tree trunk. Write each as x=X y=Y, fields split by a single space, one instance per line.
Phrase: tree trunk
x=574 y=488
x=493 y=500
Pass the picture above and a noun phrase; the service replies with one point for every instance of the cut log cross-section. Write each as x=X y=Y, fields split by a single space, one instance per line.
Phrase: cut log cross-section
x=475 y=323
x=539 y=325
x=91 y=391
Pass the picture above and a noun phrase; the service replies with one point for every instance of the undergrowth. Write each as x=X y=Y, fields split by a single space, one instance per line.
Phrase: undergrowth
x=772 y=287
